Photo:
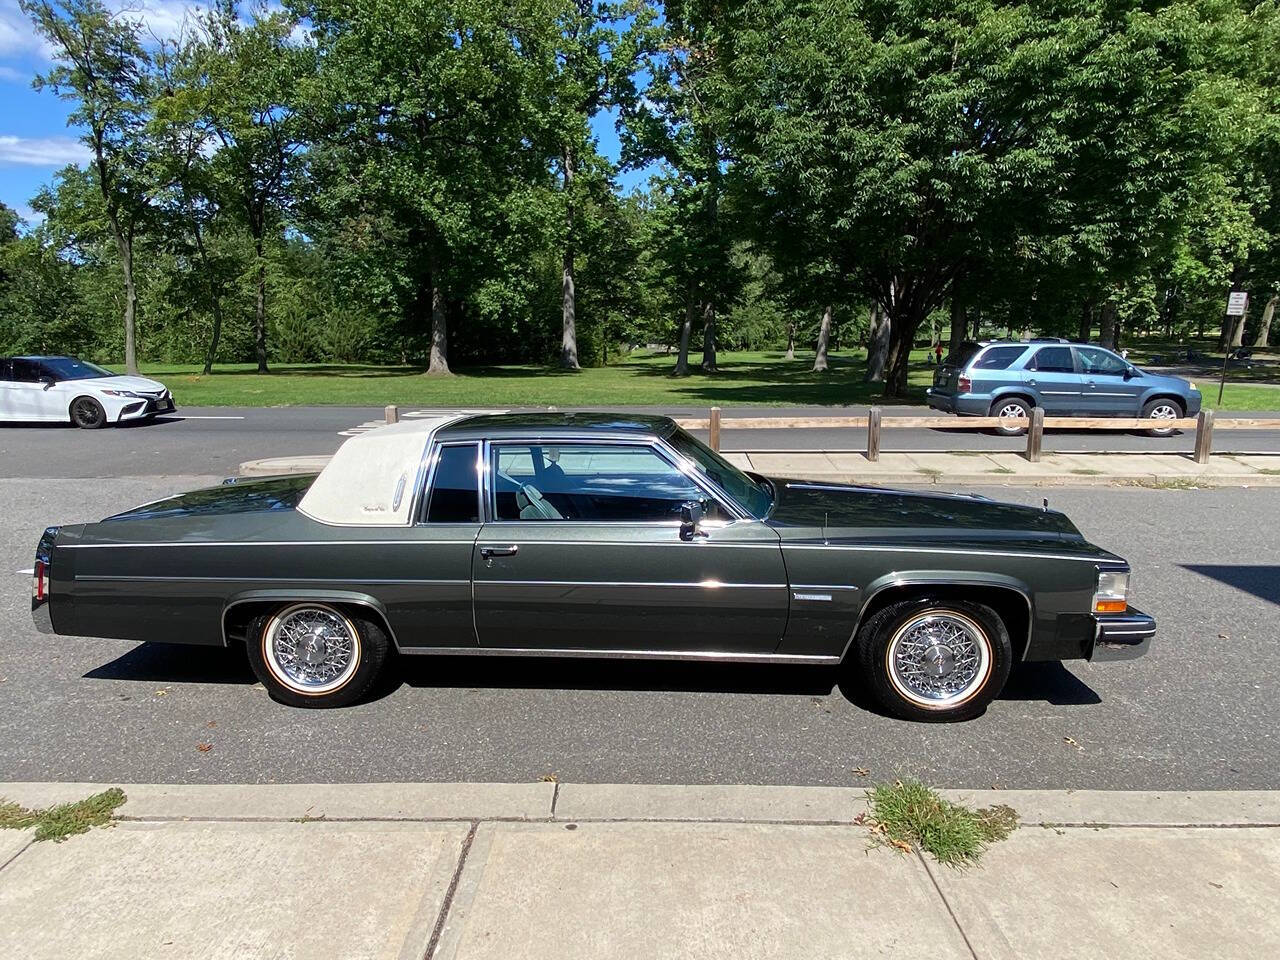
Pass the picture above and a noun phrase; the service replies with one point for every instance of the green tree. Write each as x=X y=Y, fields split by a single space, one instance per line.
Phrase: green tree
x=103 y=70
x=918 y=139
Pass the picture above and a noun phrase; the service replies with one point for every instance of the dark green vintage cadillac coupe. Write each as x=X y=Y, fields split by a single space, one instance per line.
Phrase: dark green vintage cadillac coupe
x=593 y=535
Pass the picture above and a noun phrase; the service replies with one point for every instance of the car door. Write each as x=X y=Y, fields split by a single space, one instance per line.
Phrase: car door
x=1108 y=390
x=582 y=549
x=1051 y=375
x=27 y=397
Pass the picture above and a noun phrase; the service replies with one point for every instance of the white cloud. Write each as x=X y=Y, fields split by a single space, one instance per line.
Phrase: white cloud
x=10 y=75
x=162 y=19
x=41 y=151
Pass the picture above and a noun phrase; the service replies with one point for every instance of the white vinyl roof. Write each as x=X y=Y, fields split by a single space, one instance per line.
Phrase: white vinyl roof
x=371 y=480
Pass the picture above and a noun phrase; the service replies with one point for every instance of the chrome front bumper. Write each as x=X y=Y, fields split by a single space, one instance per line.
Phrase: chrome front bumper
x=1122 y=636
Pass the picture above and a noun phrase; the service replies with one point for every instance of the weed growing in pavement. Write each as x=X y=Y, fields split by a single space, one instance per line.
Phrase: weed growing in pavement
x=1088 y=472
x=906 y=814
x=1000 y=470
x=61 y=821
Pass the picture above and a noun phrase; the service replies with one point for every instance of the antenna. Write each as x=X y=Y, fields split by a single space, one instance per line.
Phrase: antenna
x=1045 y=506
x=824 y=527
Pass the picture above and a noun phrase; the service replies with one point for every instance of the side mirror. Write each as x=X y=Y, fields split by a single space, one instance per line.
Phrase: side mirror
x=691 y=520
x=48 y=381
x=1131 y=372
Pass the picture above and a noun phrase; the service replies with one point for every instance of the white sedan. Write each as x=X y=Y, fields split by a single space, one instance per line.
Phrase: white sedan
x=64 y=389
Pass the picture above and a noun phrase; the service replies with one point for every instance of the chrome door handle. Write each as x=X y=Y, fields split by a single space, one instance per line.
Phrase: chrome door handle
x=490 y=552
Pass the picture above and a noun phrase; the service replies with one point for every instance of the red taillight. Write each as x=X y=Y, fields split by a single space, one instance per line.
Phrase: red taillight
x=963 y=384
x=37 y=581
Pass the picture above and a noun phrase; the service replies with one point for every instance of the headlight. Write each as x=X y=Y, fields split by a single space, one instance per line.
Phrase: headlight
x=1193 y=386
x=1113 y=592
x=123 y=393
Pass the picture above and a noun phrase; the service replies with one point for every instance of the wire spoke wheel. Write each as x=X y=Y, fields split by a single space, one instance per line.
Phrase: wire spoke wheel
x=939 y=659
x=311 y=649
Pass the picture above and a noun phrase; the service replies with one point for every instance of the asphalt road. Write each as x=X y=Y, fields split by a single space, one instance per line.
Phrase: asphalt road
x=215 y=440
x=1200 y=711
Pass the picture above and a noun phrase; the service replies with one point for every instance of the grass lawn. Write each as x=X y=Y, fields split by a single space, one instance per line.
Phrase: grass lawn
x=762 y=378
x=758 y=378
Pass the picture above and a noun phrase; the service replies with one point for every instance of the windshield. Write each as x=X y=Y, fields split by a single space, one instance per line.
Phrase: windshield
x=69 y=368
x=755 y=497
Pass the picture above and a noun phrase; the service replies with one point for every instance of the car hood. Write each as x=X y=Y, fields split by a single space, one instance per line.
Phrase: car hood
x=136 y=384
x=833 y=511
x=240 y=496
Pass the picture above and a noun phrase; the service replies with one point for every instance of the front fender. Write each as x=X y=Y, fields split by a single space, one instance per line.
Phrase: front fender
x=904 y=580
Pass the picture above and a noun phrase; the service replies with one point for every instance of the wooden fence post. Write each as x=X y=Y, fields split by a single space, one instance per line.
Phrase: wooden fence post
x=1204 y=436
x=1035 y=434
x=715 y=429
x=393 y=414
x=873 y=433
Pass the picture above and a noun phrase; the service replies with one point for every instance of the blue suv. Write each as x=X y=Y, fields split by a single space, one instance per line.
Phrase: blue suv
x=1002 y=378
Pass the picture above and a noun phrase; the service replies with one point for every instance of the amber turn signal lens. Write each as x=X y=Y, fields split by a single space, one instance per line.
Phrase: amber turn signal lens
x=1110 y=606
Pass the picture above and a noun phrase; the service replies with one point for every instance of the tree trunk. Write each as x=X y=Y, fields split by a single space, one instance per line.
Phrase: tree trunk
x=878 y=349
x=820 y=364
x=568 y=303
x=959 y=324
x=1264 y=329
x=260 y=305
x=124 y=249
x=686 y=329
x=708 y=337
x=216 y=307
x=904 y=323
x=1086 y=321
x=439 y=362
x=1107 y=325
x=791 y=342
x=1229 y=326
x=215 y=300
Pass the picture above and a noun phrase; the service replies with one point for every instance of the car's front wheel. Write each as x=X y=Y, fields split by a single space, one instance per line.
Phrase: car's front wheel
x=940 y=660
x=87 y=413
x=1158 y=410
x=316 y=655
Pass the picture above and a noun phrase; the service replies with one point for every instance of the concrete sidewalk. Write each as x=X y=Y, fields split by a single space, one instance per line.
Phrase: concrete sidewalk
x=620 y=871
x=960 y=469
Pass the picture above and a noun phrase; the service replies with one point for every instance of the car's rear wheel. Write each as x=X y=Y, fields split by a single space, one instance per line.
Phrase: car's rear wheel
x=316 y=655
x=938 y=660
x=1016 y=411
x=87 y=413
x=1161 y=409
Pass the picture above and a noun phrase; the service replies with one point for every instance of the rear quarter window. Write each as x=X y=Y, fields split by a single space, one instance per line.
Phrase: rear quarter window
x=998 y=358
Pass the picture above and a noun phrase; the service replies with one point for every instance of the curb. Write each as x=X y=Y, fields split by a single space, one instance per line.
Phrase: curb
x=583 y=802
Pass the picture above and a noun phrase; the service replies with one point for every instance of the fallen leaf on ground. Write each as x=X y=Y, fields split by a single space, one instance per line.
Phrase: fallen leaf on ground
x=861 y=771
x=1070 y=741
x=204 y=747
x=549 y=778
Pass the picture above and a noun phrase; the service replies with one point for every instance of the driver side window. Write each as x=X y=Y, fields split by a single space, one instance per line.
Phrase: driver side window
x=579 y=481
x=1101 y=363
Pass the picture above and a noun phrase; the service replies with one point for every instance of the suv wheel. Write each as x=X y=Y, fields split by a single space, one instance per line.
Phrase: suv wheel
x=1013 y=409
x=1161 y=409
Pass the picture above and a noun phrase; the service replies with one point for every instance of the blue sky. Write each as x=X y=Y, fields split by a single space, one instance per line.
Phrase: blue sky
x=35 y=140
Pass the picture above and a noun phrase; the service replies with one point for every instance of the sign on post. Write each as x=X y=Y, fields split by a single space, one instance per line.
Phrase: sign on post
x=1237 y=305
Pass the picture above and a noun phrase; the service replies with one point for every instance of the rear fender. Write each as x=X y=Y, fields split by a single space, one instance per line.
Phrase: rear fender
x=239 y=601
